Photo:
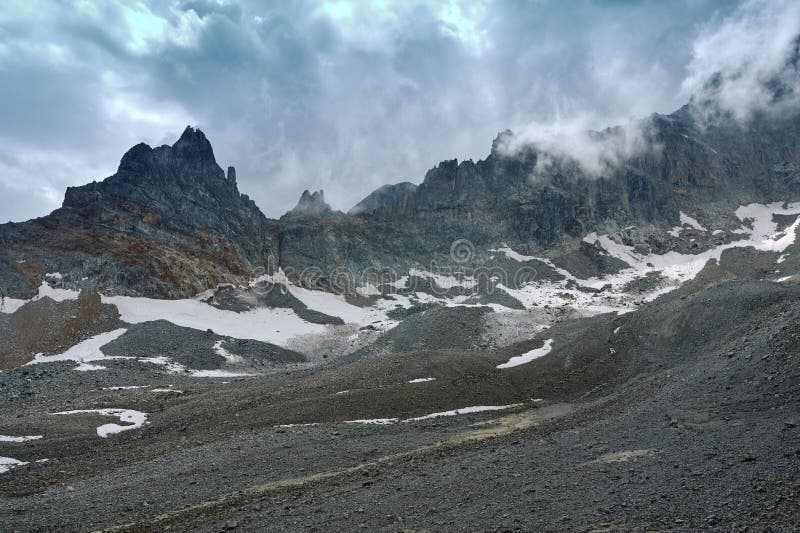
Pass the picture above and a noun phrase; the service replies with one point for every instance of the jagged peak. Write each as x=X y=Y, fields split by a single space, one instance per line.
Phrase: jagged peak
x=194 y=144
x=500 y=144
x=312 y=205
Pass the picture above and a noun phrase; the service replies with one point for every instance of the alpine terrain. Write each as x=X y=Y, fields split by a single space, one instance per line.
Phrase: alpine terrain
x=513 y=343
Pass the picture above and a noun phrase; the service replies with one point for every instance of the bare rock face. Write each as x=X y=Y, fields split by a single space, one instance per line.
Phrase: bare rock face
x=49 y=327
x=386 y=197
x=169 y=223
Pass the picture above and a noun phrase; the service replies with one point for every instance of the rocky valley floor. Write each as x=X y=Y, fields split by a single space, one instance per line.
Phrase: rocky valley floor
x=697 y=432
x=659 y=396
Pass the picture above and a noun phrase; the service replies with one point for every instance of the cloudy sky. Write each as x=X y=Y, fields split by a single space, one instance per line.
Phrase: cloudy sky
x=345 y=95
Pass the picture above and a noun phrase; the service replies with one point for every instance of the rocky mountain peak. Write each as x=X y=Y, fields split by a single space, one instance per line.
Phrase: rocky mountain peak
x=194 y=145
x=500 y=144
x=312 y=205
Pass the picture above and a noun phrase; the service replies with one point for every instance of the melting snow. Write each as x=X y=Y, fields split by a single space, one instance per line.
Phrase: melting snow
x=511 y=254
x=173 y=367
x=277 y=326
x=464 y=411
x=527 y=357
x=686 y=220
x=336 y=305
x=368 y=290
x=422 y=380
x=454 y=412
x=218 y=374
x=10 y=305
x=445 y=281
x=675 y=268
x=7 y=463
x=6 y=438
x=136 y=419
x=84 y=352
x=59 y=295
x=170 y=366
x=378 y=421
x=229 y=357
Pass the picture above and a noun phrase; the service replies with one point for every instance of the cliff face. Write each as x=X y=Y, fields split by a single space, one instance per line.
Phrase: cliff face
x=170 y=222
x=545 y=203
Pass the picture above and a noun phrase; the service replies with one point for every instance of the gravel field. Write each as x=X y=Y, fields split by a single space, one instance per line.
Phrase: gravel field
x=645 y=420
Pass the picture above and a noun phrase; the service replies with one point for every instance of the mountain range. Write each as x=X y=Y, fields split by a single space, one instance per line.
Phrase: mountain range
x=171 y=223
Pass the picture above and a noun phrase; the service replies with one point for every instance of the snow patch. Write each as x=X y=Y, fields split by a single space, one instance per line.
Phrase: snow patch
x=85 y=351
x=445 y=281
x=421 y=380
x=136 y=419
x=10 y=305
x=454 y=412
x=8 y=463
x=368 y=290
x=229 y=357
x=277 y=326
x=377 y=421
x=527 y=357
x=218 y=374
x=464 y=411
x=59 y=295
x=686 y=220
x=6 y=438
x=511 y=254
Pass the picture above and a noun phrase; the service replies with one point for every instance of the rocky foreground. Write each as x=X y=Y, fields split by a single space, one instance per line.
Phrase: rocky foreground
x=648 y=420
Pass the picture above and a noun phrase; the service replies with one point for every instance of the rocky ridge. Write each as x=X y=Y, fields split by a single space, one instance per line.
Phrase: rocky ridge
x=171 y=224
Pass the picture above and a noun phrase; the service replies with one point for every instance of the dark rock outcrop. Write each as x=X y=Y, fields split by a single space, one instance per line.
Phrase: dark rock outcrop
x=168 y=223
x=386 y=197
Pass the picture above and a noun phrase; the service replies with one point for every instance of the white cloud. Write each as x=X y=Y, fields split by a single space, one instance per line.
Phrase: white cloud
x=572 y=140
x=737 y=62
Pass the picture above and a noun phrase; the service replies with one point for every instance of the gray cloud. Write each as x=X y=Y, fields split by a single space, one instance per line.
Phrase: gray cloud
x=334 y=95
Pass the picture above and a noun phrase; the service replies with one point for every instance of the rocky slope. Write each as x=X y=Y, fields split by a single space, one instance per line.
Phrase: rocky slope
x=168 y=223
x=386 y=197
